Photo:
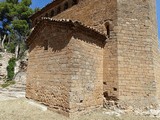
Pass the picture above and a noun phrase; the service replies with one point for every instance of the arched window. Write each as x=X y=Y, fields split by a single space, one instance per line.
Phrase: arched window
x=108 y=31
x=52 y=13
x=58 y=10
x=66 y=6
x=107 y=25
x=74 y=2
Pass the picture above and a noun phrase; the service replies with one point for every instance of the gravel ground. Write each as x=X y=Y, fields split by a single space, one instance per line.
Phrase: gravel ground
x=22 y=109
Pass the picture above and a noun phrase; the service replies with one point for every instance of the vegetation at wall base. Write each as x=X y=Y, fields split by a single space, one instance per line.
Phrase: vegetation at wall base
x=10 y=68
x=0 y=56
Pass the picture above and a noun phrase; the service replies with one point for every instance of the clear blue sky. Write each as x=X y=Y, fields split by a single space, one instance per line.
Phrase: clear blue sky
x=158 y=17
x=42 y=3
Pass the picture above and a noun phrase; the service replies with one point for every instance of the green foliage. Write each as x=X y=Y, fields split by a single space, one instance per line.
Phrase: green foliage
x=0 y=56
x=26 y=2
x=23 y=48
x=14 y=16
x=12 y=1
x=8 y=83
x=21 y=26
x=10 y=68
x=37 y=9
x=10 y=47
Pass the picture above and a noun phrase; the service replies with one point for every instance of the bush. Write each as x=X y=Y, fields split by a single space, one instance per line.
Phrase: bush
x=10 y=68
x=0 y=56
x=10 y=47
x=7 y=83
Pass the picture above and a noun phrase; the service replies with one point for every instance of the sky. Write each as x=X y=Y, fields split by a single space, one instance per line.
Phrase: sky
x=158 y=17
x=42 y=3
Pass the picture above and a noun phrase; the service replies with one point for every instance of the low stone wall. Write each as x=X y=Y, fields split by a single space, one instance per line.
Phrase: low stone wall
x=4 y=63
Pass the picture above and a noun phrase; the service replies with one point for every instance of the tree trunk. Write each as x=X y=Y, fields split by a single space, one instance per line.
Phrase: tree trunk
x=9 y=40
x=0 y=43
x=17 y=51
x=4 y=38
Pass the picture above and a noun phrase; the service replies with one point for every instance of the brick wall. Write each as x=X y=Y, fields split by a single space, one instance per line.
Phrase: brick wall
x=131 y=61
x=157 y=66
x=48 y=72
x=110 y=66
x=93 y=13
x=137 y=45
x=97 y=13
x=154 y=38
x=87 y=74
x=68 y=76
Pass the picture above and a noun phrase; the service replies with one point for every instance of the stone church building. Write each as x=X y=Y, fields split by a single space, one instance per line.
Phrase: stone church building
x=82 y=51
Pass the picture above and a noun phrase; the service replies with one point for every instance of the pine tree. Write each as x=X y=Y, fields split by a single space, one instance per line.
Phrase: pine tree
x=14 y=24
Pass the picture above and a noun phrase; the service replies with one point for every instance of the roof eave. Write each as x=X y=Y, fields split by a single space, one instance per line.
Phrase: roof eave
x=55 y=2
x=91 y=31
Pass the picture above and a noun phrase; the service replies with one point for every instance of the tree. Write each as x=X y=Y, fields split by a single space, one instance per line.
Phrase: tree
x=14 y=22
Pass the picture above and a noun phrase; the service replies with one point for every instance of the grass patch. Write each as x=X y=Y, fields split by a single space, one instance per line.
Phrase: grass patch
x=8 y=83
x=0 y=56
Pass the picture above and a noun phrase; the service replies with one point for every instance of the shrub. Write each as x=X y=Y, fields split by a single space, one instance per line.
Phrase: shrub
x=7 y=83
x=10 y=68
x=10 y=47
x=0 y=56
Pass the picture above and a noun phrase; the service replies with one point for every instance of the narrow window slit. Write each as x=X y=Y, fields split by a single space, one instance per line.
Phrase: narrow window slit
x=107 y=25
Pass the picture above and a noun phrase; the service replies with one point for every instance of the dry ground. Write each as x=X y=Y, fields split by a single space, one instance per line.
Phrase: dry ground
x=20 y=109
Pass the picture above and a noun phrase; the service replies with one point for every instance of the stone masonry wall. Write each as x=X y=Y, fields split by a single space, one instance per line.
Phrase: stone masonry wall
x=110 y=68
x=97 y=13
x=48 y=72
x=68 y=76
x=131 y=61
x=87 y=74
x=154 y=38
x=157 y=65
x=130 y=55
x=137 y=43
x=94 y=13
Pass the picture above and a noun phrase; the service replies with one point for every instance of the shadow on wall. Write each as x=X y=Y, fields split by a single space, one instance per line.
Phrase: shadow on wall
x=57 y=37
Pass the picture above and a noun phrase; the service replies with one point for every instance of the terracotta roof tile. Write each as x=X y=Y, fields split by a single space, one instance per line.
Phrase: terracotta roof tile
x=67 y=21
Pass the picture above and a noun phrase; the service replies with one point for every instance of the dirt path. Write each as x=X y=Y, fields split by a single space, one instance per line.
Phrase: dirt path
x=21 y=109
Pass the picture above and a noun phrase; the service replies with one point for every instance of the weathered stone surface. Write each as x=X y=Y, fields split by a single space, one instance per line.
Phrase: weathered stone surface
x=69 y=82
x=69 y=69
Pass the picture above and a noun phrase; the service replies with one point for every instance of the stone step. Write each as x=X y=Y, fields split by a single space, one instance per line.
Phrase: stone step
x=17 y=88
